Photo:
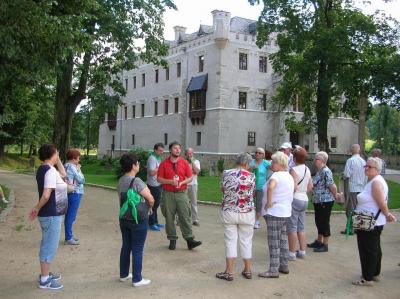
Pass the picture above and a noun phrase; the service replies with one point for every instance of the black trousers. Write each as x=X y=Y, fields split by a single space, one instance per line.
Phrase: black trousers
x=369 y=248
x=156 y=192
x=322 y=214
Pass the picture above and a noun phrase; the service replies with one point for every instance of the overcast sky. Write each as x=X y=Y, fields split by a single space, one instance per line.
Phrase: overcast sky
x=192 y=13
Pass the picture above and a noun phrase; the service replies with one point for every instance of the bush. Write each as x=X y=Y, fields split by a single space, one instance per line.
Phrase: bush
x=142 y=155
x=204 y=172
x=220 y=165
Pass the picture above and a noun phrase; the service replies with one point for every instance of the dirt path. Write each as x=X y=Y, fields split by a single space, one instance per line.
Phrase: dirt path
x=91 y=270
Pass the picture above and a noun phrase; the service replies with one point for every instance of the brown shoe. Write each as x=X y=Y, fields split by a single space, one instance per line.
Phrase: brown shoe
x=246 y=274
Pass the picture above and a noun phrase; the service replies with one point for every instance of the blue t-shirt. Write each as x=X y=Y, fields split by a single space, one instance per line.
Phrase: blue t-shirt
x=262 y=173
x=48 y=177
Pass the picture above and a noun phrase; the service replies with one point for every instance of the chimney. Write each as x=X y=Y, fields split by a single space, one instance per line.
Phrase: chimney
x=179 y=32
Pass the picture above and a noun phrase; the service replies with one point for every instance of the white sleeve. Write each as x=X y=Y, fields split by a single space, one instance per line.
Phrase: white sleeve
x=50 y=179
x=197 y=164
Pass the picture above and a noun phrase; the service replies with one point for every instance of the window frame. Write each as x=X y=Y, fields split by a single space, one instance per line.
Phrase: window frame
x=166 y=106
x=245 y=100
x=133 y=111
x=263 y=64
x=198 y=138
x=143 y=80
x=155 y=108
x=142 y=112
x=201 y=63
x=243 y=61
x=330 y=142
x=176 y=105
x=251 y=138
x=178 y=69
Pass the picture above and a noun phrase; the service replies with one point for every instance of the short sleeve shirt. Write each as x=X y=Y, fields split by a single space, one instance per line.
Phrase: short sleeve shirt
x=194 y=180
x=282 y=195
x=125 y=181
x=47 y=177
x=152 y=164
x=168 y=170
x=239 y=186
x=322 y=180
x=261 y=172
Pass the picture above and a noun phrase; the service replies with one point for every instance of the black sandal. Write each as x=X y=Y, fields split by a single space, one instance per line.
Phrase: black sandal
x=224 y=275
x=246 y=274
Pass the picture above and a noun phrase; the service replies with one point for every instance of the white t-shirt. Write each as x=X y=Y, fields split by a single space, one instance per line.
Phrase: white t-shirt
x=53 y=180
x=194 y=180
x=302 y=171
x=366 y=203
x=282 y=195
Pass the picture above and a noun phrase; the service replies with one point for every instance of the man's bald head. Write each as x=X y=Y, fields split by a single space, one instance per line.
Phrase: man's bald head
x=355 y=149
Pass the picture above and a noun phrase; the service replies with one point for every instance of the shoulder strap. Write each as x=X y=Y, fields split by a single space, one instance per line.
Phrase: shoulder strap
x=131 y=184
x=305 y=171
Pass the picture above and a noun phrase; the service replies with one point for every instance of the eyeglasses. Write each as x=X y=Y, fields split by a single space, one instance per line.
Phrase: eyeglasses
x=369 y=166
x=260 y=153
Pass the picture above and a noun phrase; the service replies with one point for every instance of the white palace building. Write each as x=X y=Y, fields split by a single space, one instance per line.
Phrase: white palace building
x=214 y=96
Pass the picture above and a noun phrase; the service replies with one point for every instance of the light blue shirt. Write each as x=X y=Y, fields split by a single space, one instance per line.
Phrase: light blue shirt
x=354 y=170
x=74 y=177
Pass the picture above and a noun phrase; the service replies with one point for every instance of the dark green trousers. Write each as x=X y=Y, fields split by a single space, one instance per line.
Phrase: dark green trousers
x=173 y=203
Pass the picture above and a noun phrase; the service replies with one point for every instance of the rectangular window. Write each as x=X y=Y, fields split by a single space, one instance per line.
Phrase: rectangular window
x=113 y=139
x=251 y=139
x=165 y=138
x=201 y=63
x=133 y=111
x=142 y=112
x=165 y=107
x=333 y=142
x=178 y=69
x=242 y=61
x=133 y=139
x=134 y=82
x=264 y=102
x=167 y=73
x=126 y=112
x=126 y=84
x=155 y=108
x=176 y=104
x=242 y=100
x=263 y=64
x=198 y=138
x=156 y=76
x=143 y=80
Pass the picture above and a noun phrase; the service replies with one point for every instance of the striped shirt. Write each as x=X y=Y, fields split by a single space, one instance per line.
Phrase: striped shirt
x=354 y=170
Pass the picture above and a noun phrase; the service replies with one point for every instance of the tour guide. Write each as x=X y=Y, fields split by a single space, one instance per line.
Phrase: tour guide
x=174 y=174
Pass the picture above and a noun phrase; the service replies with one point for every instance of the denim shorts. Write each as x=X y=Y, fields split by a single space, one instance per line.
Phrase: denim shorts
x=296 y=221
x=51 y=229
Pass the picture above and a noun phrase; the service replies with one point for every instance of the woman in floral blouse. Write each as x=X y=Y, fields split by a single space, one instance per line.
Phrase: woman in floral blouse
x=237 y=214
x=323 y=195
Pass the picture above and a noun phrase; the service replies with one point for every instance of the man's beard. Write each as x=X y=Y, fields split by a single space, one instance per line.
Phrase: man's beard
x=174 y=155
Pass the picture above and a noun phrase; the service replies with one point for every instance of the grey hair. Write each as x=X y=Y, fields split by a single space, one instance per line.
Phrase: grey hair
x=281 y=159
x=378 y=163
x=243 y=159
x=260 y=149
x=323 y=156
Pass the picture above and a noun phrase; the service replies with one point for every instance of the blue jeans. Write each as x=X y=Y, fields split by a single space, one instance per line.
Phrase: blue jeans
x=133 y=238
x=74 y=200
x=51 y=228
x=156 y=192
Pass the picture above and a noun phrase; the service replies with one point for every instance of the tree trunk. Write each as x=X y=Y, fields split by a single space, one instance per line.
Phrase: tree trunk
x=322 y=107
x=68 y=100
x=88 y=134
x=21 y=148
x=30 y=150
x=2 y=147
x=362 y=108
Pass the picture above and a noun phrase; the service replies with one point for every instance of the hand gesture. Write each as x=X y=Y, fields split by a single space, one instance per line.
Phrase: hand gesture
x=268 y=205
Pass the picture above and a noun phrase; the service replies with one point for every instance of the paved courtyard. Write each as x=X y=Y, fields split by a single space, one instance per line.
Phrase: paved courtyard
x=91 y=269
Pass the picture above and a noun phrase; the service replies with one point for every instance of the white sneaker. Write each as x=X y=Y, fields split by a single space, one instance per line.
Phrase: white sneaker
x=257 y=225
x=291 y=256
x=4 y=200
x=143 y=282
x=123 y=279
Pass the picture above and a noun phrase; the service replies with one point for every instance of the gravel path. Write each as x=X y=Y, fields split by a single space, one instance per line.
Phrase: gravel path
x=91 y=269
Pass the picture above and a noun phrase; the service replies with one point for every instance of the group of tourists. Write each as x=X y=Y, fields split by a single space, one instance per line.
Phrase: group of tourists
x=277 y=188
x=273 y=186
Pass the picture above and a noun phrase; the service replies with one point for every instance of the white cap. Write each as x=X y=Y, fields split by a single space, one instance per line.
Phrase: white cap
x=286 y=145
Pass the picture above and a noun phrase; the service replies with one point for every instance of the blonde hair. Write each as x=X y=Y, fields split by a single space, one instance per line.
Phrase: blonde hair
x=281 y=159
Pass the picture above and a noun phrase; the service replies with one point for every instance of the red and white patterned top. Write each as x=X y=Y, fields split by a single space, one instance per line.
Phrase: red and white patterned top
x=238 y=191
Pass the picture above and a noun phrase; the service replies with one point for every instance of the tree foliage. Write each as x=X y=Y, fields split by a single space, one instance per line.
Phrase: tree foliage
x=330 y=54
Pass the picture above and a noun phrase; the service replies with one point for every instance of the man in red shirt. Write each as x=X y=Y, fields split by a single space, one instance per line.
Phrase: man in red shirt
x=174 y=174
